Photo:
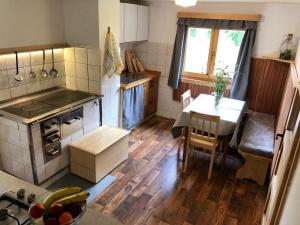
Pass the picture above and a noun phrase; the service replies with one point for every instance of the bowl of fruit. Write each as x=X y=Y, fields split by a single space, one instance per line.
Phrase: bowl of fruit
x=65 y=206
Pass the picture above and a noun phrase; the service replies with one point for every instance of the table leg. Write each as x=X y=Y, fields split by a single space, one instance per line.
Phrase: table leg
x=225 y=148
x=185 y=146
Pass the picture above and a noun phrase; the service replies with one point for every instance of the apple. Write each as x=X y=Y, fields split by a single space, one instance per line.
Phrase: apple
x=75 y=210
x=36 y=210
x=56 y=210
x=51 y=221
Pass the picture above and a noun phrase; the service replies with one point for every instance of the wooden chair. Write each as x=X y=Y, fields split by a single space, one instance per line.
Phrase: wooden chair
x=186 y=99
x=203 y=134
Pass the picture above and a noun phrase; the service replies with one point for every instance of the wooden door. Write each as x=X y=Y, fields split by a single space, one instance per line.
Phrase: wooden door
x=282 y=116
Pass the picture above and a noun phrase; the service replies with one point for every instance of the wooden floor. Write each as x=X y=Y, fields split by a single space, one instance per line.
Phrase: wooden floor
x=151 y=189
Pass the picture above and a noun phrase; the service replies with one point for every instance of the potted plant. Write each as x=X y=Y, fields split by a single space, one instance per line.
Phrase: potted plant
x=220 y=84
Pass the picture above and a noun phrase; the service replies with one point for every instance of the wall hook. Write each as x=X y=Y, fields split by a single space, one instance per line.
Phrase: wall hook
x=108 y=29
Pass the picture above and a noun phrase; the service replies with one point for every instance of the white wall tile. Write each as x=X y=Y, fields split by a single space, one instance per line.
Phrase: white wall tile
x=2 y=62
x=81 y=55
x=71 y=82
x=94 y=73
x=82 y=84
x=70 y=69
x=95 y=87
x=4 y=84
x=18 y=91
x=11 y=77
x=69 y=54
x=81 y=70
x=93 y=57
x=34 y=87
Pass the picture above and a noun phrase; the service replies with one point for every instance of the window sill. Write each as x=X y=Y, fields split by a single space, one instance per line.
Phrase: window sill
x=207 y=81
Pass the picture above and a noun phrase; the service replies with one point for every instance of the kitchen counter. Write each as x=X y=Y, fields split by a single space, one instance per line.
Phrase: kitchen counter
x=91 y=217
x=147 y=76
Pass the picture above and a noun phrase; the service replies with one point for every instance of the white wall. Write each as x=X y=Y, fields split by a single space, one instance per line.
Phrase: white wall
x=81 y=22
x=110 y=88
x=278 y=20
x=30 y=22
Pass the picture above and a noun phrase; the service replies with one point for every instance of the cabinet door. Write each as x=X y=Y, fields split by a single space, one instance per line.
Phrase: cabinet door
x=150 y=97
x=143 y=23
x=130 y=28
x=122 y=21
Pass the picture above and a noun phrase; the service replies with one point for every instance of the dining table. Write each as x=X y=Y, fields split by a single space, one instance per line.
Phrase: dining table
x=229 y=110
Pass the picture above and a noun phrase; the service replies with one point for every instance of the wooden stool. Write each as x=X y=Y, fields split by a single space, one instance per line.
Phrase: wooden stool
x=96 y=154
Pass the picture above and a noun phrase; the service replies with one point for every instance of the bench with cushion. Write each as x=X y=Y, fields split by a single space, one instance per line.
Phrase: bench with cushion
x=97 y=153
x=256 y=147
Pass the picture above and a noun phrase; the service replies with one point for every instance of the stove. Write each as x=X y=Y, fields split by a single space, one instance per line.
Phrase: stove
x=41 y=107
x=14 y=207
x=30 y=109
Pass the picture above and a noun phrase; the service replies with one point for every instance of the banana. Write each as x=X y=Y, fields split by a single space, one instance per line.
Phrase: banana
x=64 y=192
x=76 y=198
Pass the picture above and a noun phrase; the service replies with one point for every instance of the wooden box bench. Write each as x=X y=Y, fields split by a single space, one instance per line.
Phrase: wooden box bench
x=96 y=154
x=256 y=147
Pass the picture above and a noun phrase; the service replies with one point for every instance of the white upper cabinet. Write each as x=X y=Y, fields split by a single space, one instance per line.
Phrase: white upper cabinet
x=130 y=28
x=143 y=23
x=134 y=21
x=122 y=21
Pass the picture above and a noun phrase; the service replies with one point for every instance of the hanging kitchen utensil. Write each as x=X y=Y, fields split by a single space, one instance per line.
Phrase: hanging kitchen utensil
x=44 y=73
x=53 y=72
x=32 y=74
x=18 y=77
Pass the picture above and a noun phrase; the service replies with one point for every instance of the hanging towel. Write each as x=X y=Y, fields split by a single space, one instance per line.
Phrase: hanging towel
x=112 y=59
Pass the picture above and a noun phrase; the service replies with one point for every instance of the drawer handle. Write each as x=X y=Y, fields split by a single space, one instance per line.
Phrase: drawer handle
x=53 y=152
x=72 y=120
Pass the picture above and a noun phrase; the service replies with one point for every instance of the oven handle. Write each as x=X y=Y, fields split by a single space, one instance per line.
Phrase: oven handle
x=53 y=152
x=72 y=120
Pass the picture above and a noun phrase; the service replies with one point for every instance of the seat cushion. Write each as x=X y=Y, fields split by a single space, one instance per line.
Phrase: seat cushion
x=258 y=135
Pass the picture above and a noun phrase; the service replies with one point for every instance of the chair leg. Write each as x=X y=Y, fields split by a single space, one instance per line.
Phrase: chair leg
x=180 y=144
x=211 y=163
x=187 y=156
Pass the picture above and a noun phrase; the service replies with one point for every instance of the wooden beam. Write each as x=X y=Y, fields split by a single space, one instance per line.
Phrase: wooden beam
x=219 y=16
x=32 y=48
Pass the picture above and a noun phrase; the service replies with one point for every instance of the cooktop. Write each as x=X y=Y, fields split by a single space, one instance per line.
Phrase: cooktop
x=33 y=109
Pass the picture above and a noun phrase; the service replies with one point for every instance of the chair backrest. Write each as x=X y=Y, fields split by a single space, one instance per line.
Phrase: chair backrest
x=204 y=127
x=186 y=99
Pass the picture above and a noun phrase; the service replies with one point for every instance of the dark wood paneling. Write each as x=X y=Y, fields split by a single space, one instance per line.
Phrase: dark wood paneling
x=196 y=90
x=266 y=85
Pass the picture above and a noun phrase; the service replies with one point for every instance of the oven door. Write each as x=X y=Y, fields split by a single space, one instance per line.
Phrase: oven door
x=71 y=123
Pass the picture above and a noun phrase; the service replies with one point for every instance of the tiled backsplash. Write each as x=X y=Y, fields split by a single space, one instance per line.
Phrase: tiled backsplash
x=9 y=88
x=158 y=56
x=83 y=70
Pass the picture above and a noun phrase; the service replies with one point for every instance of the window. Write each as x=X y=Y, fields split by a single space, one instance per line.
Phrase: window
x=210 y=49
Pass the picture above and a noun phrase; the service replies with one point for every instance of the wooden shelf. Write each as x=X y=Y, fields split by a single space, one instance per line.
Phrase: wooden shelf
x=32 y=48
x=276 y=59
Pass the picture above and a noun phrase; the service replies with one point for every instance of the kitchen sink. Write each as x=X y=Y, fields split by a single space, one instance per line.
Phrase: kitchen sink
x=130 y=78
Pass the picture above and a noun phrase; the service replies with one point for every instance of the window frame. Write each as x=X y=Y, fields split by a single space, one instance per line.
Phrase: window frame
x=210 y=76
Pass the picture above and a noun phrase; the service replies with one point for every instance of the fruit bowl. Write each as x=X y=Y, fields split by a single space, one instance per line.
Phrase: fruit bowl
x=54 y=221
x=65 y=206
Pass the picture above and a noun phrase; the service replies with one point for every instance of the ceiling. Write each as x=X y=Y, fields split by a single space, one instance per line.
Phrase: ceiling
x=246 y=1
